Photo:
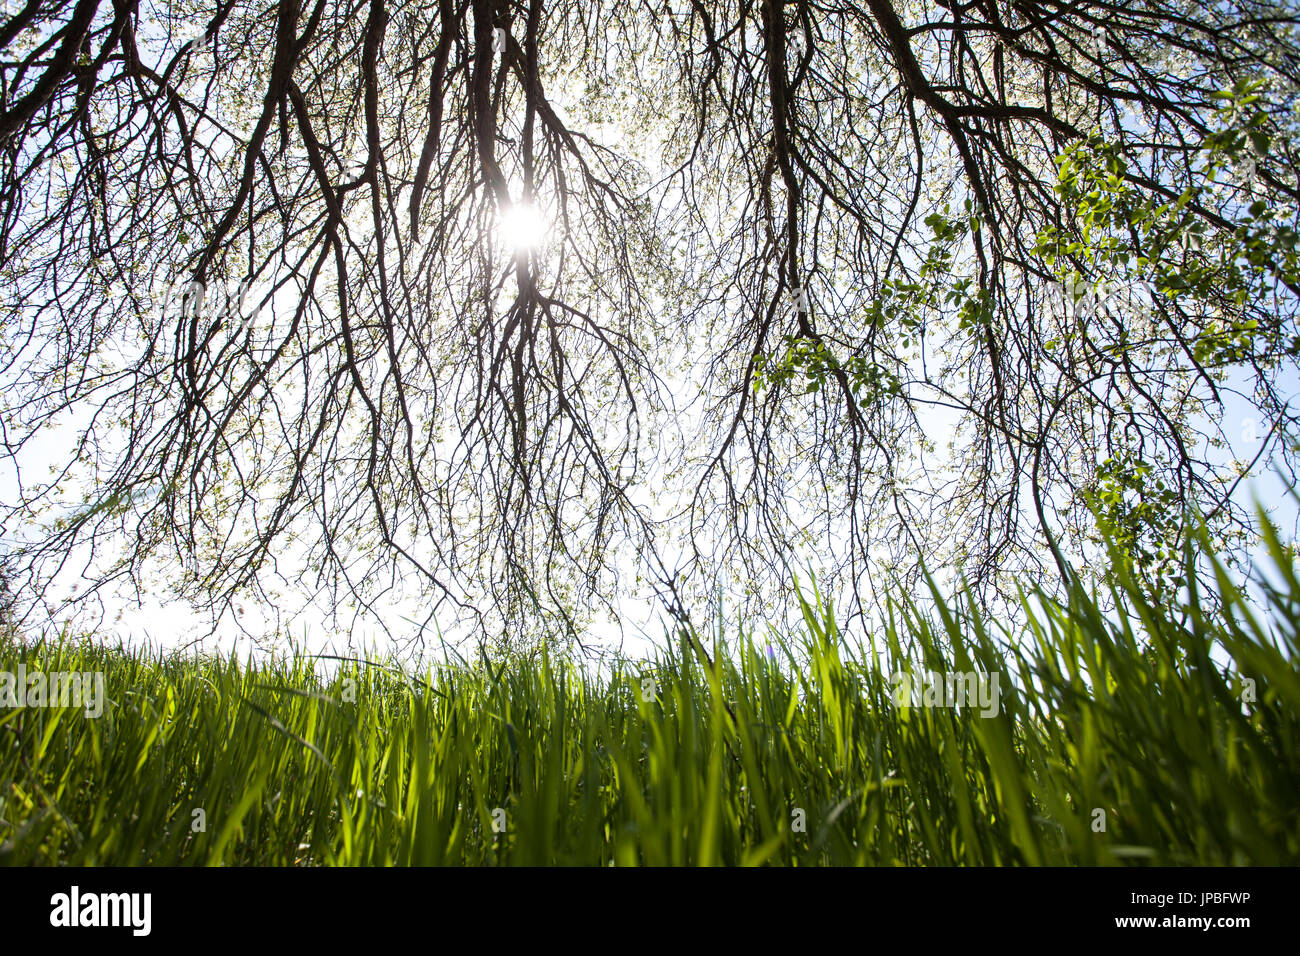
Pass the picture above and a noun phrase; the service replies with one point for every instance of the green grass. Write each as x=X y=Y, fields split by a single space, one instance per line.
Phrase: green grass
x=1129 y=713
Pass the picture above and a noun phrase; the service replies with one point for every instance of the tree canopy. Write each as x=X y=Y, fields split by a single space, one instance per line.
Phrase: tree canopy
x=859 y=286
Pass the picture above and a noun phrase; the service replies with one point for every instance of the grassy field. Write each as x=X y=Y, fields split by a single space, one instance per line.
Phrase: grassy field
x=1139 y=742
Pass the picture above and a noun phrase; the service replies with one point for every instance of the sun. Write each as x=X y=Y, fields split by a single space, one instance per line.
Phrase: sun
x=522 y=226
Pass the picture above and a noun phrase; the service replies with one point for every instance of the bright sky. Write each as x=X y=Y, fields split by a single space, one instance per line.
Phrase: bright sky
x=157 y=620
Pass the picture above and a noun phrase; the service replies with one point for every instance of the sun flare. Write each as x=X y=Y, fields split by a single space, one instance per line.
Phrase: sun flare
x=522 y=226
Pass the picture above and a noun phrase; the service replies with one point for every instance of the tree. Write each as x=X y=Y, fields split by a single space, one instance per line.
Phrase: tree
x=253 y=260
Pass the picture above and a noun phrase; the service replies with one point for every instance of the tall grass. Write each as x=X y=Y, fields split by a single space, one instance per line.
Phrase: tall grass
x=789 y=750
